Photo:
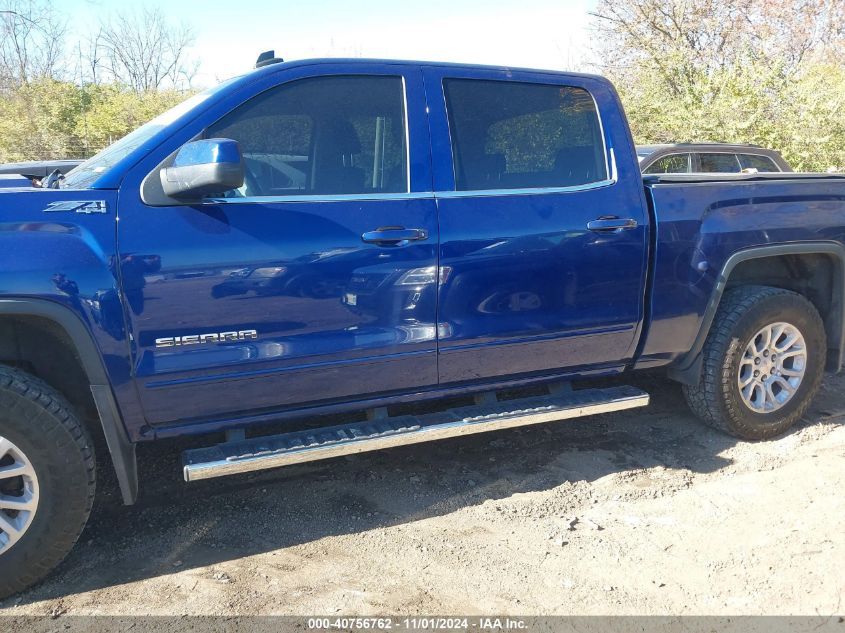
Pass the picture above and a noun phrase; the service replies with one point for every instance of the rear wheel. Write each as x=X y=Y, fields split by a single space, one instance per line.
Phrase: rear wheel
x=47 y=479
x=763 y=363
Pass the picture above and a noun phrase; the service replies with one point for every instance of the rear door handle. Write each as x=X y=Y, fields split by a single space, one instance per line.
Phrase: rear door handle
x=394 y=236
x=611 y=224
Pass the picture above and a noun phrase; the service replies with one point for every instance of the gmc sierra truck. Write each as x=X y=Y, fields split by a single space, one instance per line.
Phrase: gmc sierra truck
x=352 y=236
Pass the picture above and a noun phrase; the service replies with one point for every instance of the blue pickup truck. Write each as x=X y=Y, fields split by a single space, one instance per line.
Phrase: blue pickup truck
x=353 y=236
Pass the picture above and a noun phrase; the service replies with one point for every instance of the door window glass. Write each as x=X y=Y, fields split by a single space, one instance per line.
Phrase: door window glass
x=322 y=135
x=513 y=135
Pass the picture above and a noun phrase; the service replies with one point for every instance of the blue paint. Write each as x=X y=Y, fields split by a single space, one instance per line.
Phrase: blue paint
x=503 y=289
x=208 y=152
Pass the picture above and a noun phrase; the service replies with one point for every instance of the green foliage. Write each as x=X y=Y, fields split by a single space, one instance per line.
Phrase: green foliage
x=802 y=116
x=47 y=118
x=738 y=71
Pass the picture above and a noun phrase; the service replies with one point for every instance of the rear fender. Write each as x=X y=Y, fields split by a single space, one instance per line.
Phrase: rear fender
x=687 y=370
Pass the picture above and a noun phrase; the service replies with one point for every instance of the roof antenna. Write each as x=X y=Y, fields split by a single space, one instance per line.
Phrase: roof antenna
x=266 y=58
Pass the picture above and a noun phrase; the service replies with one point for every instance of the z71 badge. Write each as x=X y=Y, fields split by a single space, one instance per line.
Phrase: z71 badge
x=77 y=206
x=201 y=339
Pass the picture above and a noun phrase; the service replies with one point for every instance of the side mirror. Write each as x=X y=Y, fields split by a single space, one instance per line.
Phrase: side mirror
x=202 y=167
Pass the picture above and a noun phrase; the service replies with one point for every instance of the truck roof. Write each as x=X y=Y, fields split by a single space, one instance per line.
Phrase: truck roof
x=363 y=61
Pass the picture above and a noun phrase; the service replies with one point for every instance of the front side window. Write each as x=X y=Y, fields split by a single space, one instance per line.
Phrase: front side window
x=322 y=135
x=758 y=162
x=512 y=135
x=672 y=164
x=719 y=163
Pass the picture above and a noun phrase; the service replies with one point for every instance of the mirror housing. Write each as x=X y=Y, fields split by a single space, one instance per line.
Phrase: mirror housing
x=203 y=167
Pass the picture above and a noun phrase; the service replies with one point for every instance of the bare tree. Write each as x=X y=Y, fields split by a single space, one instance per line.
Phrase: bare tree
x=90 y=52
x=31 y=38
x=141 y=49
x=682 y=39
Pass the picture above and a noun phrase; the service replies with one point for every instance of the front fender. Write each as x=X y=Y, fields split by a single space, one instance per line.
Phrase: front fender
x=57 y=262
x=60 y=246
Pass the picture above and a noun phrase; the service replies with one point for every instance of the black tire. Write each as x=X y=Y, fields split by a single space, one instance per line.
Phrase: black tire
x=42 y=425
x=743 y=312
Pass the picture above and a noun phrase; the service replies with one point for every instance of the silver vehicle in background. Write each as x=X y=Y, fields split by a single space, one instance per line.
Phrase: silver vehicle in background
x=698 y=158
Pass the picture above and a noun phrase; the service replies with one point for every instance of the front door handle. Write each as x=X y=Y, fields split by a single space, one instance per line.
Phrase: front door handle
x=611 y=224
x=394 y=236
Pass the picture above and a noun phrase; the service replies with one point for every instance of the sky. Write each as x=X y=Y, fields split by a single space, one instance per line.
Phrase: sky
x=552 y=34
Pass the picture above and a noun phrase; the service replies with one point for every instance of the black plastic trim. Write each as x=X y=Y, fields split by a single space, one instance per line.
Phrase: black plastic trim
x=121 y=449
x=688 y=369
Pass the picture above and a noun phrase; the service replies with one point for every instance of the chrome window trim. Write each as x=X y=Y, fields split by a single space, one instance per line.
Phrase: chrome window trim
x=341 y=197
x=538 y=191
x=408 y=135
x=419 y=195
x=606 y=145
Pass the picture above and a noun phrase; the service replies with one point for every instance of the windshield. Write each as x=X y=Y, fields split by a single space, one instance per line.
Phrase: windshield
x=88 y=172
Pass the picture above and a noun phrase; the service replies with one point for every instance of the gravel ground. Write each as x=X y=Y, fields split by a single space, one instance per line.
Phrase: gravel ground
x=642 y=512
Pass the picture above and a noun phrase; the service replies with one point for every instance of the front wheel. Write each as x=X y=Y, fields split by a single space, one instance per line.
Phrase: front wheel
x=47 y=472
x=764 y=360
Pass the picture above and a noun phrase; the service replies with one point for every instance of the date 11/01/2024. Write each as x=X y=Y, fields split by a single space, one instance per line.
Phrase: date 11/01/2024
x=418 y=624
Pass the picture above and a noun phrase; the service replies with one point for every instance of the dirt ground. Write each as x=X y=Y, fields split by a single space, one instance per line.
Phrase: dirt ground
x=642 y=512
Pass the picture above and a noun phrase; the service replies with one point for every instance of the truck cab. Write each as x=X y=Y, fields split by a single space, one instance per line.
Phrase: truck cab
x=371 y=255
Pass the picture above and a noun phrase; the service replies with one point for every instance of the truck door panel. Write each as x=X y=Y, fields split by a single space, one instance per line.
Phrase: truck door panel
x=543 y=251
x=267 y=296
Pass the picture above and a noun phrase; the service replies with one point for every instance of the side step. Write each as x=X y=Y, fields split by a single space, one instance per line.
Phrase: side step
x=384 y=432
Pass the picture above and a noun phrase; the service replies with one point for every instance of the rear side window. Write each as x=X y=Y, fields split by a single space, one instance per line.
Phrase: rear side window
x=322 y=135
x=672 y=164
x=512 y=135
x=758 y=162
x=720 y=163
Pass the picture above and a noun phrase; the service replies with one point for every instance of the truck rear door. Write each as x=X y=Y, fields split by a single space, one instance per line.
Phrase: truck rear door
x=543 y=234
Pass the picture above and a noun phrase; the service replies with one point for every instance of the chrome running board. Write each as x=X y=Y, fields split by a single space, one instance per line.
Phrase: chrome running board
x=380 y=431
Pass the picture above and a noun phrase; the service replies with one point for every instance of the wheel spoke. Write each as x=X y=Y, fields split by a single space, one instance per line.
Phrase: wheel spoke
x=770 y=395
x=748 y=391
x=765 y=341
x=20 y=471
x=8 y=526
x=783 y=382
x=743 y=382
x=760 y=400
x=787 y=343
x=15 y=470
x=790 y=353
x=5 y=447
x=775 y=332
x=26 y=502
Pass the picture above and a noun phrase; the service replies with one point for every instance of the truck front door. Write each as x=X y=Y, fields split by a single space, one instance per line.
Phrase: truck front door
x=313 y=282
